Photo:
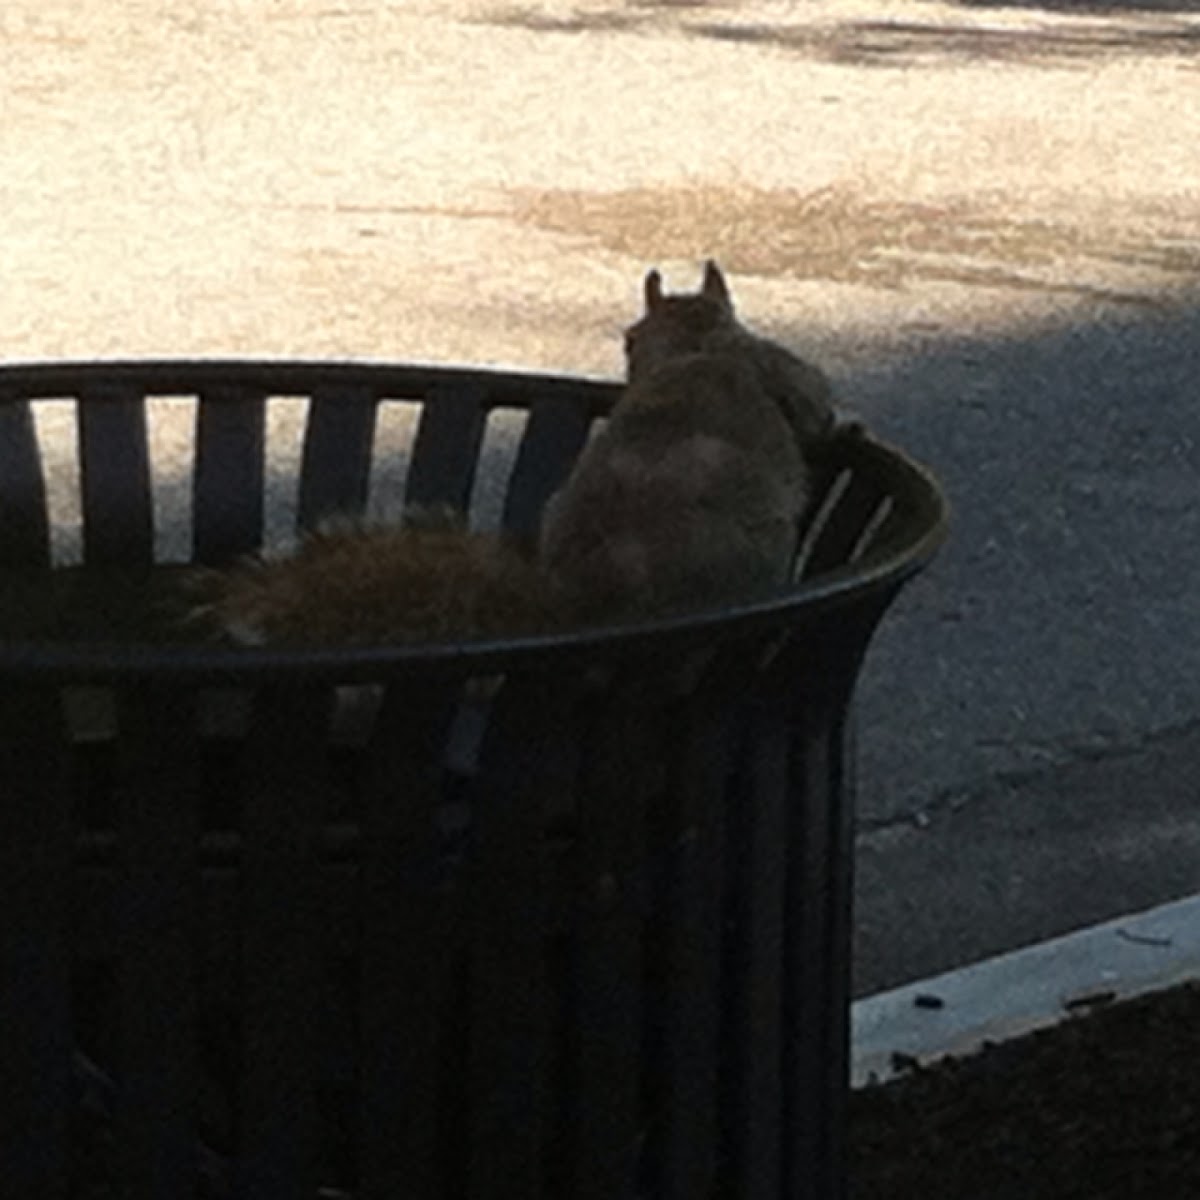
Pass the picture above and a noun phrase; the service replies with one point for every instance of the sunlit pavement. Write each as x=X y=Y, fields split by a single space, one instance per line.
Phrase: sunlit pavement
x=983 y=220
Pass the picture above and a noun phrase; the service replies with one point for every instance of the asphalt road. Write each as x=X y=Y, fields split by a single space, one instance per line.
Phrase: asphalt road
x=1030 y=711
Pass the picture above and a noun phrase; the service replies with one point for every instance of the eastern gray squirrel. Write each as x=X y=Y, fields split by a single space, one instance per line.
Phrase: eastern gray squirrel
x=688 y=498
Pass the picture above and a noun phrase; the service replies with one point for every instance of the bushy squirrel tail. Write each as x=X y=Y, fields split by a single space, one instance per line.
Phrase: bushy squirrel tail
x=352 y=583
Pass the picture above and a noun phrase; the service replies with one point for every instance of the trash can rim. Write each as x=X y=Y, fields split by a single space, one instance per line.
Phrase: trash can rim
x=878 y=574
x=52 y=378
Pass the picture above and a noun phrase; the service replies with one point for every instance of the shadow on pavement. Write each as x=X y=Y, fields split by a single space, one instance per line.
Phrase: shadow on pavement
x=903 y=44
x=906 y=43
x=1098 y=8
x=1029 y=715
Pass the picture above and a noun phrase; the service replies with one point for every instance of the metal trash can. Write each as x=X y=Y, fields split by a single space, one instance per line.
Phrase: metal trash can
x=603 y=951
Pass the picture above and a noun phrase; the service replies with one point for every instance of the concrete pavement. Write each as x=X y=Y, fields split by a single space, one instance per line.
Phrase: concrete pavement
x=982 y=219
x=1030 y=713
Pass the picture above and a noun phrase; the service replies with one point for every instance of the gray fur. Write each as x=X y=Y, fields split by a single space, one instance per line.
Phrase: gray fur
x=690 y=496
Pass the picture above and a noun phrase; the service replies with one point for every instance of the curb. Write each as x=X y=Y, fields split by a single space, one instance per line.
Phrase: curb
x=1003 y=997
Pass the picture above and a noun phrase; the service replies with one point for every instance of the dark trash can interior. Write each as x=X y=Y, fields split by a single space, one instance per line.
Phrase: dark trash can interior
x=553 y=916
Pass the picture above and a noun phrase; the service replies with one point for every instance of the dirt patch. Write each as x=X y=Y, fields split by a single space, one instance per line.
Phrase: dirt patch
x=1102 y=1108
x=580 y=22
x=1076 y=39
x=589 y=18
x=908 y=44
x=831 y=234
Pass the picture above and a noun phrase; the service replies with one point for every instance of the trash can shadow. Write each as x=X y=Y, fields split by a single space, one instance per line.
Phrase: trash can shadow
x=584 y=931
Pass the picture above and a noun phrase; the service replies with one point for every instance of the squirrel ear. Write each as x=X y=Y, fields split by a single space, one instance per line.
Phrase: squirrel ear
x=654 y=293
x=714 y=286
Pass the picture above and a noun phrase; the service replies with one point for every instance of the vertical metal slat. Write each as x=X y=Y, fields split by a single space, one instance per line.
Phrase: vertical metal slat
x=336 y=466
x=24 y=528
x=509 y=1033
x=840 y=943
x=157 y=1070
x=446 y=449
x=853 y=513
x=554 y=435
x=114 y=464
x=817 y=902
x=35 y=1023
x=619 y=778
x=280 y=916
x=409 y=947
x=227 y=508
x=806 y=1010
x=693 y=855
x=754 y=956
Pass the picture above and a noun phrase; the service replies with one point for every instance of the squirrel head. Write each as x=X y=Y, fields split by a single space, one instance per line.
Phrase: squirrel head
x=677 y=325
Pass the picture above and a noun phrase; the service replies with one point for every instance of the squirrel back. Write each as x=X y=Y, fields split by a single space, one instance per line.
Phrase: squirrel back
x=691 y=495
x=676 y=326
